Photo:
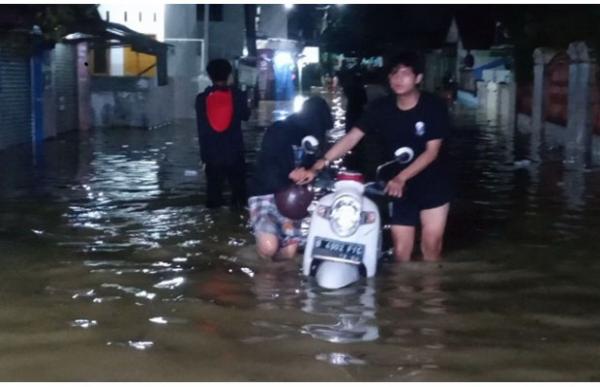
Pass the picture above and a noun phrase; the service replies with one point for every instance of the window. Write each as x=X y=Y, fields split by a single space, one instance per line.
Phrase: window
x=215 y=12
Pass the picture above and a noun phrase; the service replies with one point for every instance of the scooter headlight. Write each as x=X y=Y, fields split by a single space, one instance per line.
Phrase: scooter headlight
x=345 y=215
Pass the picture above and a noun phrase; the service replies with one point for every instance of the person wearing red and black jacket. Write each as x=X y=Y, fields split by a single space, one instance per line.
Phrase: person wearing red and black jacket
x=220 y=109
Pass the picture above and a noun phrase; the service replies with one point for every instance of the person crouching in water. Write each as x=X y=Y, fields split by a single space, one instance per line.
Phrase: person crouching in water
x=219 y=112
x=278 y=236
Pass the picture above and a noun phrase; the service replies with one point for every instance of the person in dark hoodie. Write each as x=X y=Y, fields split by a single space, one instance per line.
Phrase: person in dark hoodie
x=276 y=235
x=219 y=112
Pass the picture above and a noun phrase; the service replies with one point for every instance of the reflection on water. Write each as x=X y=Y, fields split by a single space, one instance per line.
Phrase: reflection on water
x=113 y=270
x=353 y=310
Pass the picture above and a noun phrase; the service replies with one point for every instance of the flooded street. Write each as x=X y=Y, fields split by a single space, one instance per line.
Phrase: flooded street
x=114 y=270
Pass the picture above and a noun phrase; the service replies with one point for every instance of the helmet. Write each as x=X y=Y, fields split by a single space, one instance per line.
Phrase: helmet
x=293 y=201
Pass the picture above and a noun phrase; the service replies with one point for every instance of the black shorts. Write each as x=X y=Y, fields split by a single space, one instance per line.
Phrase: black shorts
x=406 y=210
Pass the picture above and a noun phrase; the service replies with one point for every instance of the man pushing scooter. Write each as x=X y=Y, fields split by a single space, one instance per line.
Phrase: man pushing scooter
x=417 y=120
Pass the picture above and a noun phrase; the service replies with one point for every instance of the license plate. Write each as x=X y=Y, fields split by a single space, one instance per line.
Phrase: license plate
x=338 y=251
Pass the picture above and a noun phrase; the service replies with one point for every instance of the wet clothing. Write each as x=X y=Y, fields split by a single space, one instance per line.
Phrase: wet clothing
x=220 y=144
x=413 y=128
x=406 y=211
x=275 y=161
x=219 y=113
x=234 y=174
x=265 y=218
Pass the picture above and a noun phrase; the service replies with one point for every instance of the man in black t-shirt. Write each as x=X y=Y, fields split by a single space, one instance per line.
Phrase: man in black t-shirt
x=423 y=189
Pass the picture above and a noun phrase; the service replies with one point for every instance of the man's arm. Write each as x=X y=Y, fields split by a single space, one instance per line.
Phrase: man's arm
x=340 y=148
x=395 y=187
x=303 y=176
x=431 y=153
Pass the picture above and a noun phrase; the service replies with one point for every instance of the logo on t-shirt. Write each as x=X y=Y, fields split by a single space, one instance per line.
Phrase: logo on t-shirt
x=420 y=128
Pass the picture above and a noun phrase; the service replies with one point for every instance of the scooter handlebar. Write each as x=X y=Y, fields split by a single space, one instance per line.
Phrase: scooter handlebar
x=375 y=188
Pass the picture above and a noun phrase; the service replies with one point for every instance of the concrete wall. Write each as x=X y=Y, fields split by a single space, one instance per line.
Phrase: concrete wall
x=226 y=38
x=273 y=21
x=130 y=102
x=184 y=59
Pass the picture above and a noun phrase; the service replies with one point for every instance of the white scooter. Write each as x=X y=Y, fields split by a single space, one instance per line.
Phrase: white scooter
x=344 y=238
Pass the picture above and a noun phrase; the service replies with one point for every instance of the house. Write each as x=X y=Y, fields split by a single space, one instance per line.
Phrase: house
x=42 y=76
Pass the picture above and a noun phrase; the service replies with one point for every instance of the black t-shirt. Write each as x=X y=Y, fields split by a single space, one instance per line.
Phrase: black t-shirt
x=227 y=147
x=275 y=160
x=413 y=128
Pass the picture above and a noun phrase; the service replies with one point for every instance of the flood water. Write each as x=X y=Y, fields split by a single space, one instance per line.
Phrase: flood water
x=112 y=269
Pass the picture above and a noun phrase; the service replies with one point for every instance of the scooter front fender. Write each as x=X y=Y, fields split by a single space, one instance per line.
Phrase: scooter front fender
x=336 y=275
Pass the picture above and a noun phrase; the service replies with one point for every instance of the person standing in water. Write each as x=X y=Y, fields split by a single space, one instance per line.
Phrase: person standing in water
x=424 y=189
x=220 y=109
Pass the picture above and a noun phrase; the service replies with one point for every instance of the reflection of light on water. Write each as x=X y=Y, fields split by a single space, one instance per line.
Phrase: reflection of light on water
x=84 y=323
x=355 y=322
x=140 y=345
x=338 y=358
x=158 y=320
x=170 y=284
x=131 y=290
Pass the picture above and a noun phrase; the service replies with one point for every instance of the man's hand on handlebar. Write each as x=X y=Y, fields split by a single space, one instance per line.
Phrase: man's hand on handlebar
x=395 y=187
x=302 y=175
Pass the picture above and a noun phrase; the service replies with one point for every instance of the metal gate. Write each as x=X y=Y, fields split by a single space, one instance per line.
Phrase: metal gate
x=64 y=75
x=15 y=96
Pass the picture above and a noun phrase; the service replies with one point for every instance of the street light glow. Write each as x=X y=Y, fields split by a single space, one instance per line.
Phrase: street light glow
x=288 y=6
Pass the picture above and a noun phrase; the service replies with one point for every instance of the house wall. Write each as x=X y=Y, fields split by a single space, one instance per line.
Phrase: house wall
x=184 y=57
x=130 y=102
x=147 y=19
x=226 y=38
x=273 y=21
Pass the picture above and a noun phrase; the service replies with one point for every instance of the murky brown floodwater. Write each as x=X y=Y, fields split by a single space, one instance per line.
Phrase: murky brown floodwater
x=113 y=270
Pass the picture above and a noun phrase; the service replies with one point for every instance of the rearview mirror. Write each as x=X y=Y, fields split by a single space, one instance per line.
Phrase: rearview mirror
x=404 y=155
x=310 y=144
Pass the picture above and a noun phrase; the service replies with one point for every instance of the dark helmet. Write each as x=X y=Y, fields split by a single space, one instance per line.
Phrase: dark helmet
x=293 y=201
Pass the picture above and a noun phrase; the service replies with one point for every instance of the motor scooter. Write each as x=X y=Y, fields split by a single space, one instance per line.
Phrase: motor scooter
x=344 y=239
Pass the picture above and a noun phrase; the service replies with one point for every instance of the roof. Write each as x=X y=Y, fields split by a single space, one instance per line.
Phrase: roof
x=114 y=34
x=75 y=23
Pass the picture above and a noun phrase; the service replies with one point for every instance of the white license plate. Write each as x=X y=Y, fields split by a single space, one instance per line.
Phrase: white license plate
x=338 y=251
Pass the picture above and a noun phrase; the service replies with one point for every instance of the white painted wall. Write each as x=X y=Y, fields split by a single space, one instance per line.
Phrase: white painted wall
x=117 y=61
